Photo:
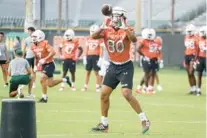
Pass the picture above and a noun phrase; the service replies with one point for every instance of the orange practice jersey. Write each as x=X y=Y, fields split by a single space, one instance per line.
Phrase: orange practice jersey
x=202 y=47
x=191 y=45
x=93 y=46
x=41 y=51
x=69 y=49
x=151 y=48
x=117 y=44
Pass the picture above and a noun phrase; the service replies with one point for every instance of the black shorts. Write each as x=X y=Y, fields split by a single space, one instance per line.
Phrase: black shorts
x=92 y=63
x=69 y=64
x=48 y=69
x=31 y=62
x=188 y=59
x=150 y=66
x=2 y=62
x=18 y=80
x=119 y=73
x=201 y=66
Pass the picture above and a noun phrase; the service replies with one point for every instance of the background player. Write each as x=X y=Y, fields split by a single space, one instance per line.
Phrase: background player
x=68 y=51
x=91 y=58
x=44 y=54
x=21 y=74
x=191 y=46
x=201 y=57
x=150 y=48
x=4 y=59
x=28 y=53
x=117 y=39
x=103 y=63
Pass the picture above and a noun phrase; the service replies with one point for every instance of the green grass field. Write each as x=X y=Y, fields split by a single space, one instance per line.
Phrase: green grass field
x=172 y=112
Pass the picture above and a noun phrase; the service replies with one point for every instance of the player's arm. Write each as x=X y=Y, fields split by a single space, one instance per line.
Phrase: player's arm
x=197 y=50
x=9 y=69
x=80 y=51
x=140 y=46
x=6 y=54
x=51 y=52
x=98 y=34
x=24 y=48
x=131 y=35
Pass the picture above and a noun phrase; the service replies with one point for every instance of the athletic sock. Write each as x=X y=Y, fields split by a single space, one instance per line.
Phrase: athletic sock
x=104 y=120
x=142 y=116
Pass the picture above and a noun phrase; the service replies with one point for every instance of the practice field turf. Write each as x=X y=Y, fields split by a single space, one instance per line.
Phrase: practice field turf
x=172 y=112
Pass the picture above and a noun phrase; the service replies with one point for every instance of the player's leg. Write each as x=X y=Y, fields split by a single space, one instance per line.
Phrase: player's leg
x=4 y=68
x=30 y=86
x=159 y=87
x=154 y=67
x=49 y=69
x=72 y=68
x=65 y=68
x=96 y=69
x=43 y=82
x=109 y=84
x=192 y=76
x=48 y=81
x=88 y=69
x=13 y=90
x=141 y=88
x=200 y=68
x=126 y=78
x=147 y=72
x=34 y=73
x=187 y=68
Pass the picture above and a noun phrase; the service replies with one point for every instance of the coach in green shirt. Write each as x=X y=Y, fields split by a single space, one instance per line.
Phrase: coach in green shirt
x=21 y=74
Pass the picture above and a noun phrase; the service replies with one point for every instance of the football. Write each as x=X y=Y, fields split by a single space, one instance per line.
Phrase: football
x=106 y=9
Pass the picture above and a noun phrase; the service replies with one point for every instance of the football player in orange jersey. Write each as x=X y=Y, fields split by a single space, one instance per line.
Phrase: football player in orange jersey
x=150 y=48
x=191 y=46
x=141 y=88
x=201 y=57
x=68 y=51
x=117 y=38
x=91 y=58
x=44 y=54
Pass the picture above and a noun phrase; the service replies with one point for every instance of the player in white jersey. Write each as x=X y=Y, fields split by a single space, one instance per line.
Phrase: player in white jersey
x=103 y=63
x=29 y=55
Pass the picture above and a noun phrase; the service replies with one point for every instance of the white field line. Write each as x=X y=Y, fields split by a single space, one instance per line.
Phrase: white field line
x=123 y=121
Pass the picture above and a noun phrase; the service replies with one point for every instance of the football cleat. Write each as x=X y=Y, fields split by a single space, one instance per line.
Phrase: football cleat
x=198 y=94
x=30 y=95
x=73 y=88
x=42 y=100
x=159 y=88
x=6 y=84
x=100 y=128
x=145 y=126
x=84 y=89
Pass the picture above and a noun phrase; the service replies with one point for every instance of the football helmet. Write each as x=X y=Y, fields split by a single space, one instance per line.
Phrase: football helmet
x=38 y=36
x=117 y=14
x=203 y=31
x=69 y=34
x=190 y=30
x=149 y=33
x=93 y=28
